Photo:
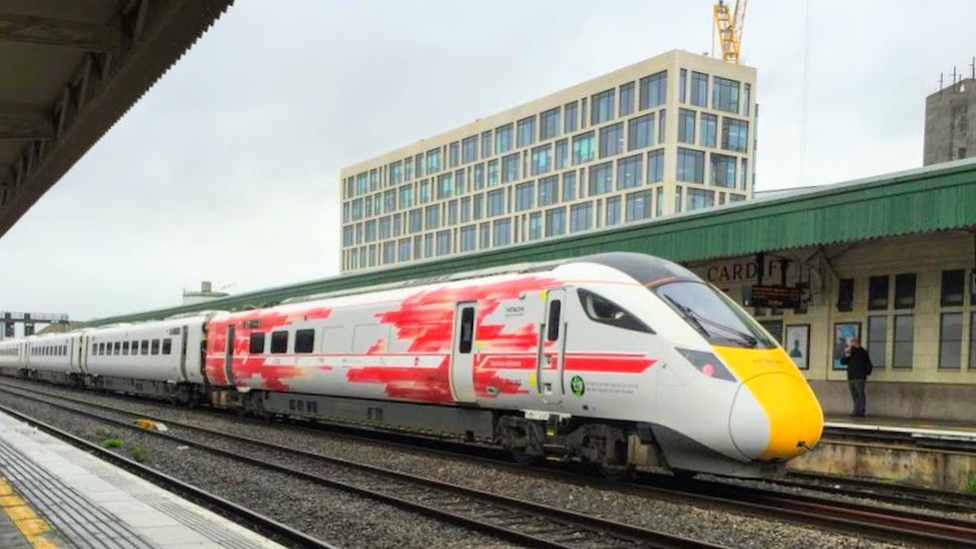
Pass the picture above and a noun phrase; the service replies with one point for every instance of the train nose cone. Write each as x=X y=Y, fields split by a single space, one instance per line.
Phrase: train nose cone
x=775 y=416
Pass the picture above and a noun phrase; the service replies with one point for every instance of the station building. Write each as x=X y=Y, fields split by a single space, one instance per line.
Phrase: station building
x=665 y=135
x=888 y=259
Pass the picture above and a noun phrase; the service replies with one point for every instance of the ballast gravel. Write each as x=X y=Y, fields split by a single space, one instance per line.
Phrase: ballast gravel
x=342 y=518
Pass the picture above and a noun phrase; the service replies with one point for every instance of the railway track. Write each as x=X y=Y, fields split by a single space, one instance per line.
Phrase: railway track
x=519 y=521
x=240 y=515
x=840 y=516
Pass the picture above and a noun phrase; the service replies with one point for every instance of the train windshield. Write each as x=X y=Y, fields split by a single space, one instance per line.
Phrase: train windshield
x=714 y=315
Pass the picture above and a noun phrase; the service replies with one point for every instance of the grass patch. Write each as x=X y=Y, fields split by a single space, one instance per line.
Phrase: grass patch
x=971 y=484
x=110 y=443
x=139 y=454
x=101 y=433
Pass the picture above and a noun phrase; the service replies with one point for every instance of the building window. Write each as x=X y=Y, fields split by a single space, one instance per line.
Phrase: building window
x=549 y=124
x=653 y=90
x=612 y=140
x=569 y=186
x=502 y=232
x=452 y=213
x=878 y=293
x=510 y=168
x=709 y=129
x=582 y=113
x=662 y=124
x=747 y=100
x=406 y=197
x=541 y=159
x=433 y=215
x=583 y=148
x=407 y=169
x=469 y=148
x=580 y=217
x=601 y=179
x=548 y=191
x=629 y=171
x=659 y=202
x=496 y=202
x=570 y=116
x=486 y=142
x=478 y=207
x=444 y=242
x=503 y=139
x=555 y=222
x=424 y=191
x=479 y=177
x=640 y=132
x=677 y=199
x=613 y=211
x=745 y=174
x=723 y=170
x=953 y=288
x=972 y=341
x=877 y=341
x=845 y=295
x=691 y=165
x=562 y=154
x=524 y=196
x=626 y=99
x=484 y=236
x=535 y=226
x=950 y=341
x=445 y=186
x=735 y=135
x=492 y=173
x=682 y=85
x=467 y=238
x=429 y=245
x=453 y=154
x=638 y=206
x=655 y=166
x=698 y=199
x=601 y=109
x=904 y=341
x=403 y=252
x=686 y=126
x=433 y=161
x=526 y=131
x=726 y=95
x=465 y=209
x=905 y=291
x=699 y=89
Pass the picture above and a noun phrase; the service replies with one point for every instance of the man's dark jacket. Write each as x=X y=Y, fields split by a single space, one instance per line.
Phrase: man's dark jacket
x=858 y=363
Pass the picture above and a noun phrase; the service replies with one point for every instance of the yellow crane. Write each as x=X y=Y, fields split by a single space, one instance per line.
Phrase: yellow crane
x=728 y=25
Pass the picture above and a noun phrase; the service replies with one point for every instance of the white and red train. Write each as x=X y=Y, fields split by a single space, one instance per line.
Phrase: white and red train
x=617 y=359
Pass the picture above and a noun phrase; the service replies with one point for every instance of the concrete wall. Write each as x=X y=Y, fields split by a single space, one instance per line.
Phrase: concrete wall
x=950 y=123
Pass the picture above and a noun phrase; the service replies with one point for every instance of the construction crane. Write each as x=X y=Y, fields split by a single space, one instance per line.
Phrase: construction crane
x=728 y=25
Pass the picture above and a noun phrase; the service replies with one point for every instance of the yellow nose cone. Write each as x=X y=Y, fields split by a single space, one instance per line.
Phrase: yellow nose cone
x=792 y=415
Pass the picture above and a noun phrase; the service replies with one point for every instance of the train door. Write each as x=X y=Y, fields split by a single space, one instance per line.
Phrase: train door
x=552 y=348
x=183 y=335
x=229 y=356
x=462 y=359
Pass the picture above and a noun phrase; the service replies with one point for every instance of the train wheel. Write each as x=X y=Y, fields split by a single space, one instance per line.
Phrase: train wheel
x=617 y=472
x=524 y=459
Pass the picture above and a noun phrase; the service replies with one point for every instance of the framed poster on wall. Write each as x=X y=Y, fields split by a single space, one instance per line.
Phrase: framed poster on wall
x=844 y=334
x=797 y=345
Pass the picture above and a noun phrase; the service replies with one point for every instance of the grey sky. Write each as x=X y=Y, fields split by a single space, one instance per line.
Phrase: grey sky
x=227 y=169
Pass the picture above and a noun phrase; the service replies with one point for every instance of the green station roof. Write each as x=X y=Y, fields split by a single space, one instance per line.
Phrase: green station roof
x=923 y=200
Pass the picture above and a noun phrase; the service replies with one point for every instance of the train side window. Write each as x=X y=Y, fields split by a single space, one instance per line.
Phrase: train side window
x=155 y=347
x=467 y=330
x=279 y=342
x=304 y=341
x=118 y=348
x=604 y=311
x=125 y=347
x=555 y=310
x=145 y=347
x=256 y=345
x=168 y=346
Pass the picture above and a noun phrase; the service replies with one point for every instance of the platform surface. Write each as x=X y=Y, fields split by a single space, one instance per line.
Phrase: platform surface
x=915 y=428
x=54 y=496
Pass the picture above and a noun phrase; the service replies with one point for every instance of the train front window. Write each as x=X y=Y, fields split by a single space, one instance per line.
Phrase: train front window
x=604 y=311
x=714 y=315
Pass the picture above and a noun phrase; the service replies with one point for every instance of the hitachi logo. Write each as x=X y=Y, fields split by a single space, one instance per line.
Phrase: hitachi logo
x=514 y=311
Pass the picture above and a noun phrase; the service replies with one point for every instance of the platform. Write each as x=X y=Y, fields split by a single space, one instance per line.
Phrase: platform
x=915 y=429
x=55 y=496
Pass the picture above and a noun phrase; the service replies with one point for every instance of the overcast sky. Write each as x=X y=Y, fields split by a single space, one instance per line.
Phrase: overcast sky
x=227 y=170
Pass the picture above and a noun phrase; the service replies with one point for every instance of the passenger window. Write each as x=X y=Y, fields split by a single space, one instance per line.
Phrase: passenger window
x=155 y=347
x=125 y=347
x=145 y=346
x=304 y=341
x=168 y=346
x=279 y=343
x=256 y=346
x=467 y=330
x=604 y=311
x=555 y=308
x=118 y=348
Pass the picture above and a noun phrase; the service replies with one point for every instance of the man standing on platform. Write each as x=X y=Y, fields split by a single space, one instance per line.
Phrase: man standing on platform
x=858 y=369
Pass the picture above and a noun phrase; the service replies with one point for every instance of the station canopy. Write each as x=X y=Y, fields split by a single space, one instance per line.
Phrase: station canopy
x=69 y=69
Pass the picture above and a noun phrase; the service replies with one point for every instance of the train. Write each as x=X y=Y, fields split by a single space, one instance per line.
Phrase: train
x=620 y=360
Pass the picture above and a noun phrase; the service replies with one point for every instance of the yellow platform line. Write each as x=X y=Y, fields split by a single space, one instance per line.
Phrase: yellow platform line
x=33 y=528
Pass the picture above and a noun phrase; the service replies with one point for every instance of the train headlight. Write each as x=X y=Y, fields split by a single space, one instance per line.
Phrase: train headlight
x=707 y=363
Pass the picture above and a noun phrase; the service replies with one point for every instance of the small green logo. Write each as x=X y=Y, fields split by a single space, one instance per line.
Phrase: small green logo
x=577 y=386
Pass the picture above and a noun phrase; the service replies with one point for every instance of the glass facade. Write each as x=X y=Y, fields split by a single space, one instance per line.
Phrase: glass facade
x=600 y=159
